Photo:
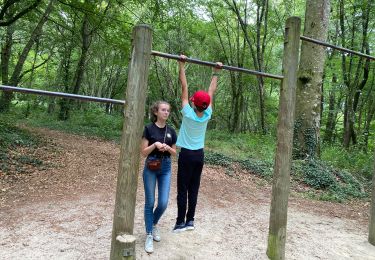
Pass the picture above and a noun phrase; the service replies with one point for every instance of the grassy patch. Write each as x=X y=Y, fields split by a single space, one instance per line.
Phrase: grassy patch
x=89 y=123
x=241 y=146
x=354 y=160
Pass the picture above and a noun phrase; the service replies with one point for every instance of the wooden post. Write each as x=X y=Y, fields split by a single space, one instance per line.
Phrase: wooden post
x=371 y=235
x=123 y=241
x=283 y=157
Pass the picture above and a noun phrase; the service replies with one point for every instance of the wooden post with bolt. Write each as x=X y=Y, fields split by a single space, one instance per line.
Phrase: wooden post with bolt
x=283 y=157
x=123 y=241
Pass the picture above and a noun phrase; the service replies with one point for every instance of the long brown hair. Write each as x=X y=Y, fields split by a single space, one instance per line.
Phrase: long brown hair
x=155 y=108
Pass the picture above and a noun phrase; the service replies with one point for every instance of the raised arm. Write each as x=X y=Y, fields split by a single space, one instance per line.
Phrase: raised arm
x=213 y=84
x=182 y=76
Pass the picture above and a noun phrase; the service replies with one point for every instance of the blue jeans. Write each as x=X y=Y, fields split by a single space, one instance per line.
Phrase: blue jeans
x=163 y=178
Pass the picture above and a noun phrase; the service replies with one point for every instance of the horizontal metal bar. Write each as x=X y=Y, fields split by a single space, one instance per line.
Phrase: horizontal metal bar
x=213 y=64
x=60 y=94
x=336 y=47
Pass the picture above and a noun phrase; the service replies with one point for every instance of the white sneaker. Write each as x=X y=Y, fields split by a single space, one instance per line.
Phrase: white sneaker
x=149 y=244
x=156 y=233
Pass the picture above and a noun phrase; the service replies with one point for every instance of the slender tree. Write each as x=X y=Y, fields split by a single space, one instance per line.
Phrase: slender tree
x=6 y=52
x=257 y=42
x=6 y=97
x=233 y=51
x=87 y=32
x=354 y=77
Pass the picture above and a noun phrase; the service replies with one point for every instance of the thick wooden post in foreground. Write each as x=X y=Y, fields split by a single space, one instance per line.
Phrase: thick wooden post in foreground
x=371 y=235
x=283 y=157
x=123 y=241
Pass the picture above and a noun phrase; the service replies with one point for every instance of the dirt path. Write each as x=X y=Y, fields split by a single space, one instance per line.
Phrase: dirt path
x=65 y=212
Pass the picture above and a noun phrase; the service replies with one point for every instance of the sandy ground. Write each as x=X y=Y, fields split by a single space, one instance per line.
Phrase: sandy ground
x=64 y=211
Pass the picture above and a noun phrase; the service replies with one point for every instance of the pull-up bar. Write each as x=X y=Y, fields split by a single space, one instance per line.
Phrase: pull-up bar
x=212 y=64
x=304 y=38
x=60 y=94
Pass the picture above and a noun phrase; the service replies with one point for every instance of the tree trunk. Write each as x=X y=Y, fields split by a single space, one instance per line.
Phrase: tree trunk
x=331 y=120
x=86 y=34
x=330 y=125
x=366 y=128
x=349 y=119
x=257 y=53
x=233 y=55
x=262 y=105
x=6 y=53
x=64 y=78
x=86 y=41
x=310 y=80
x=8 y=96
x=112 y=83
x=236 y=103
x=354 y=86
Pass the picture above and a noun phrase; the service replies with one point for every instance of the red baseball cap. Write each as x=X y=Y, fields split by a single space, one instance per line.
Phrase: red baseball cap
x=201 y=99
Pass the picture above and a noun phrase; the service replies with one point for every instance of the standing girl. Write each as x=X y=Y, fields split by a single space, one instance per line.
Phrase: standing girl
x=158 y=144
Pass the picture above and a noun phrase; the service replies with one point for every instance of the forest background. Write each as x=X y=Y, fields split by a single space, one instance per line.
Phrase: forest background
x=83 y=47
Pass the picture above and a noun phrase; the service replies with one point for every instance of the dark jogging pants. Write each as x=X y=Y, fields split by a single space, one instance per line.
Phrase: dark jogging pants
x=190 y=165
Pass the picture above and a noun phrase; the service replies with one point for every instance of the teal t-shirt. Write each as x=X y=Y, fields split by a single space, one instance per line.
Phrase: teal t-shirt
x=193 y=128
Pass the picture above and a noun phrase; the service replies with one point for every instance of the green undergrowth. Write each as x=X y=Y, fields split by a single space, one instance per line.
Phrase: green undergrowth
x=323 y=182
x=257 y=167
x=333 y=184
x=352 y=160
x=11 y=139
x=241 y=145
x=92 y=122
x=338 y=176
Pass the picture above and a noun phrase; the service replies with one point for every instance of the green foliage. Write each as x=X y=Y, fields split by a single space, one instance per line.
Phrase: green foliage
x=354 y=160
x=304 y=141
x=93 y=122
x=325 y=182
x=242 y=145
x=255 y=154
x=250 y=151
x=258 y=167
x=29 y=160
x=317 y=175
x=12 y=137
x=332 y=184
x=215 y=158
